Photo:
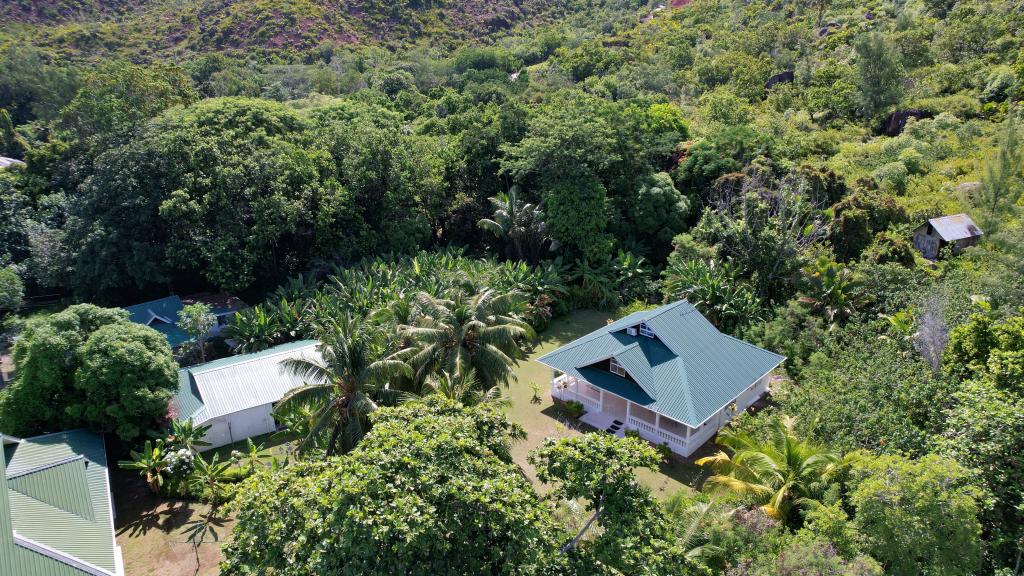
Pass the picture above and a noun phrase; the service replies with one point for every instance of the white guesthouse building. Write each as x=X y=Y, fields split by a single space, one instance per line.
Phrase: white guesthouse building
x=667 y=373
x=235 y=396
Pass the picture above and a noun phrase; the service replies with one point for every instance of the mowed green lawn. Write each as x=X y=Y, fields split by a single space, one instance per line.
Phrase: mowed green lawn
x=543 y=419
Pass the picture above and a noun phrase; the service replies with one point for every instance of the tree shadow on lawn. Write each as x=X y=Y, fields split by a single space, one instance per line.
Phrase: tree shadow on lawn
x=139 y=510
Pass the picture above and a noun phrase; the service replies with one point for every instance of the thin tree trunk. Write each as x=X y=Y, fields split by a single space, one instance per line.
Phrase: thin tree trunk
x=576 y=539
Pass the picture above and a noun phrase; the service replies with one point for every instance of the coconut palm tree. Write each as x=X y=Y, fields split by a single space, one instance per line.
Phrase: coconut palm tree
x=354 y=372
x=520 y=223
x=780 y=473
x=481 y=332
x=463 y=388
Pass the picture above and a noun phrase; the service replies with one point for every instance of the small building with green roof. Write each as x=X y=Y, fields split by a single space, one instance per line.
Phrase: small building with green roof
x=236 y=395
x=162 y=314
x=56 y=513
x=666 y=373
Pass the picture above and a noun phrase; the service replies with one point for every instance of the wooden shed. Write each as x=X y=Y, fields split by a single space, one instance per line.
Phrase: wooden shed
x=957 y=230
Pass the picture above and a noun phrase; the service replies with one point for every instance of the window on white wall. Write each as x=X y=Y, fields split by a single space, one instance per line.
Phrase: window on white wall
x=617 y=368
x=645 y=330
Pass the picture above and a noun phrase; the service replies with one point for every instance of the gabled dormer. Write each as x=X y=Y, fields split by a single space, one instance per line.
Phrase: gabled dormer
x=641 y=329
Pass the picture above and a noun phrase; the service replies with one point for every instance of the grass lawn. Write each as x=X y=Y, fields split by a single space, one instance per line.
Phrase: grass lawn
x=274 y=445
x=543 y=419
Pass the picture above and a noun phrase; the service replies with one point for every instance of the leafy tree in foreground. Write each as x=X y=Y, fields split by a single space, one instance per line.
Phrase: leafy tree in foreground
x=424 y=493
x=345 y=383
x=125 y=379
x=917 y=516
x=781 y=473
x=88 y=366
x=635 y=536
x=985 y=431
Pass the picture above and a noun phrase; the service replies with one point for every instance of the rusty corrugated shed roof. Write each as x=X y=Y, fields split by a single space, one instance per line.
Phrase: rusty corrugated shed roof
x=955 y=227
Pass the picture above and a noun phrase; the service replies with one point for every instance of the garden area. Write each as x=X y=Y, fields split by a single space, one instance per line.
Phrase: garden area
x=153 y=531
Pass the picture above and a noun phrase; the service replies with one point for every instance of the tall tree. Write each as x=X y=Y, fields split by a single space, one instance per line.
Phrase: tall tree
x=197 y=320
x=879 y=74
x=346 y=383
x=917 y=516
x=426 y=492
x=997 y=196
x=88 y=366
x=479 y=332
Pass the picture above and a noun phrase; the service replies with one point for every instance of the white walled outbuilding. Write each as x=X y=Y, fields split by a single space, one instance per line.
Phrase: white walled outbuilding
x=235 y=396
x=240 y=425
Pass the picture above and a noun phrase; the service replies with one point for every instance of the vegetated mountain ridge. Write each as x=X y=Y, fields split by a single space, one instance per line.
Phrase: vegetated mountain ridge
x=151 y=27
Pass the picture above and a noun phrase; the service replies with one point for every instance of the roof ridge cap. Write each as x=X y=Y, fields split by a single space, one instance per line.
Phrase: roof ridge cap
x=255 y=357
x=41 y=467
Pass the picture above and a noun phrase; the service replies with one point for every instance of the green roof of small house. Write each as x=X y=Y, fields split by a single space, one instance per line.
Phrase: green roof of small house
x=56 y=516
x=687 y=371
x=235 y=383
x=162 y=316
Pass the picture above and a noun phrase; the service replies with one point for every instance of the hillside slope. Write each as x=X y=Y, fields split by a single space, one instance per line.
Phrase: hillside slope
x=144 y=28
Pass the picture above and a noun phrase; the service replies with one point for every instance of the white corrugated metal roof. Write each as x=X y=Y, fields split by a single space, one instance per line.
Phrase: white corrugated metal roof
x=955 y=227
x=5 y=162
x=255 y=381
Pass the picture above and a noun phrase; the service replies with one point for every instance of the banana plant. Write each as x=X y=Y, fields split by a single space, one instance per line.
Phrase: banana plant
x=150 y=463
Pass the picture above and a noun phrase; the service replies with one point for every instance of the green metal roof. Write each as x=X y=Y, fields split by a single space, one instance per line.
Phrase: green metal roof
x=237 y=382
x=162 y=316
x=687 y=372
x=56 y=516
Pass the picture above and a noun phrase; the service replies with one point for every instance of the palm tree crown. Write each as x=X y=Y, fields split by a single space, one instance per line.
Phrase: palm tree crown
x=346 y=383
x=479 y=332
x=779 y=473
x=520 y=223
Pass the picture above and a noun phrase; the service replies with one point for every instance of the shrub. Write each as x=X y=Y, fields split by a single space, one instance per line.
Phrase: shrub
x=573 y=408
x=889 y=248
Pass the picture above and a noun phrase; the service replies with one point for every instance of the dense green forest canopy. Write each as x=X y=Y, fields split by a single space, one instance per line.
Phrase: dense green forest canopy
x=406 y=165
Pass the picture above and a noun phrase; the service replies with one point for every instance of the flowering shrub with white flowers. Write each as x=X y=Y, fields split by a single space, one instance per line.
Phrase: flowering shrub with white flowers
x=179 y=462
